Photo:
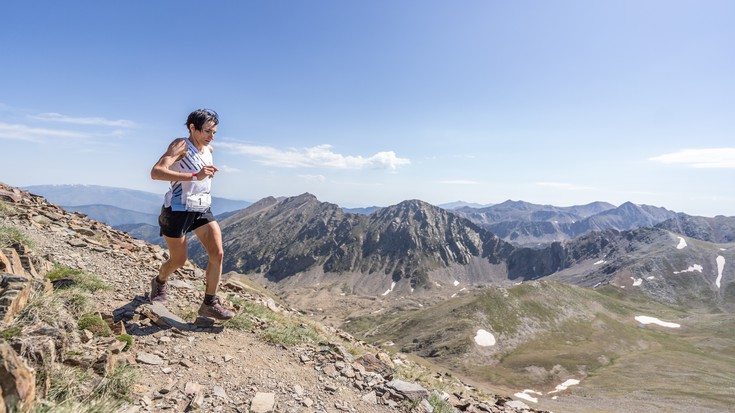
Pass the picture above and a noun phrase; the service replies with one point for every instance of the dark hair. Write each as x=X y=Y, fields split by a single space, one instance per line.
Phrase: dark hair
x=201 y=116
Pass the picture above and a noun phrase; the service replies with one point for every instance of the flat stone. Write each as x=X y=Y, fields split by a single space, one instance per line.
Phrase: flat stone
x=148 y=358
x=263 y=403
x=161 y=316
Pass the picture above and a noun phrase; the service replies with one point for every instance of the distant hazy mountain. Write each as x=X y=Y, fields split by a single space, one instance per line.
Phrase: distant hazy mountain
x=362 y=211
x=462 y=204
x=146 y=232
x=523 y=223
x=75 y=195
x=123 y=202
x=717 y=229
x=112 y=215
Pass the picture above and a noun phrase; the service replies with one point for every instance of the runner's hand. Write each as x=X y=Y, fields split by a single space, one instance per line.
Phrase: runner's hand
x=207 y=172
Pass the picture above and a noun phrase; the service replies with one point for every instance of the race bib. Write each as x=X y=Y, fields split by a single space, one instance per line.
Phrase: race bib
x=198 y=202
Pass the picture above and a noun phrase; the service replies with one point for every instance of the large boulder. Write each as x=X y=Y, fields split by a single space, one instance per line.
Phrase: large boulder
x=17 y=381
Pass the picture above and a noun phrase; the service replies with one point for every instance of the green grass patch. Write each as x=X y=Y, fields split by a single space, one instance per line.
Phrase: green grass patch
x=80 y=279
x=128 y=339
x=290 y=335
x=12 y=235
x=10 y=332
x=94 y=323
x=240 y=322
x=255 y=310
x=61 y=271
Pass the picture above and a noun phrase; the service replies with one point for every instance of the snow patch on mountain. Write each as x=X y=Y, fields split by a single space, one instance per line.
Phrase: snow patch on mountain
x=720 y=267
x=692 y=268
x=645 y=320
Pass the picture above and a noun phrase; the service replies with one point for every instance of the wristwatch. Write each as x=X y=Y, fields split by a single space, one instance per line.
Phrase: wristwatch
x=194 y=177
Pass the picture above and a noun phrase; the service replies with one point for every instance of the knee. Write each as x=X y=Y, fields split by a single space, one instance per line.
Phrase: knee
x=216 y=255
x=176 y=262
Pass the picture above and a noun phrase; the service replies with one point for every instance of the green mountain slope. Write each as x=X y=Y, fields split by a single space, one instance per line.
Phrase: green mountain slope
x=546 y=333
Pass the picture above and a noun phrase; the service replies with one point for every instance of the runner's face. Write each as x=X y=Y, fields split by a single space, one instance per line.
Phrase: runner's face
x=204 y=136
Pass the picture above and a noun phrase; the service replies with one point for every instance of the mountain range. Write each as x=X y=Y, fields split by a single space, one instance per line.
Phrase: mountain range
x=417 y=246
x=530 y=311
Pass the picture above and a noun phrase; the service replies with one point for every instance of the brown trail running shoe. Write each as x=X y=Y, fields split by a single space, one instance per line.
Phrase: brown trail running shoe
x=159 y=291
x=215 y=310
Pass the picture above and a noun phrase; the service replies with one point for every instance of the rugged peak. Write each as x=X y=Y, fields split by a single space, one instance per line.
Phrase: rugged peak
x=409 y=206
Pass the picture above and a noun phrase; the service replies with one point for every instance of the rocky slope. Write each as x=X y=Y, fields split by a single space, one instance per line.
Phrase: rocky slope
x=192 y=366
x=403 y=243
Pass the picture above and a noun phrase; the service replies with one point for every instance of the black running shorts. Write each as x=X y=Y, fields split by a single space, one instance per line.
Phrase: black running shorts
x=175 y=224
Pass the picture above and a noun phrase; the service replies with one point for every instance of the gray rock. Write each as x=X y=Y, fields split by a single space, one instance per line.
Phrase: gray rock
x=411 y=391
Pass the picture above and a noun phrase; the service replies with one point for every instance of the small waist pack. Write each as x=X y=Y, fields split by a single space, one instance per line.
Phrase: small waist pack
x=198 y=202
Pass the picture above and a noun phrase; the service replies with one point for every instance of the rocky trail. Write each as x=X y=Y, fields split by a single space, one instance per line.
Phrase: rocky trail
x=270 y=358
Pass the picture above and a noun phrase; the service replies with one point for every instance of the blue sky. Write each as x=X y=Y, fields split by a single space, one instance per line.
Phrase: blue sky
x=374 y=102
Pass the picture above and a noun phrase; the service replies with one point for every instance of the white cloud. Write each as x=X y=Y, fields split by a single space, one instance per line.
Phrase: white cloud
x=57 y=117
x=30 y=134
x=320 y=156
x=700 y=158
x=565 y=186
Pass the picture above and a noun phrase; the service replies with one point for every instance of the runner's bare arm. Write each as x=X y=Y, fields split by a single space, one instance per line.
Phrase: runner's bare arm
x=160 y=171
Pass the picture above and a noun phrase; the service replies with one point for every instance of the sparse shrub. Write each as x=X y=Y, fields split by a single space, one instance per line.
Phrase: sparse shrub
x=128 y=339
x=75 y=300
x=105 y=405
x=42 y=308
x=66 y=384
x=7 y=209
x=94 y=323
x=439 y=404
x=11 y=235
x=117 y=383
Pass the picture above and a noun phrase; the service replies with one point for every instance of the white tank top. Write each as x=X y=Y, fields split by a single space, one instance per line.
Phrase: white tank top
x=180 y=191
